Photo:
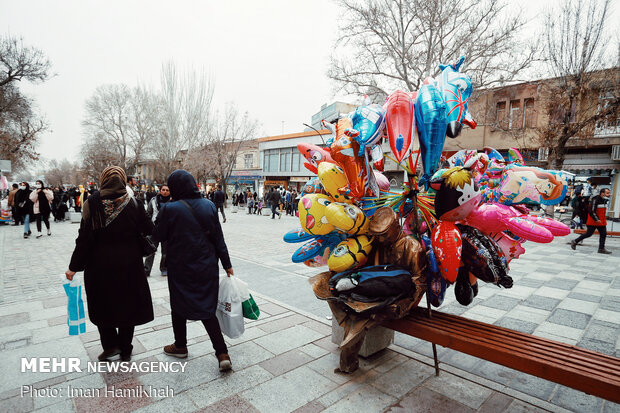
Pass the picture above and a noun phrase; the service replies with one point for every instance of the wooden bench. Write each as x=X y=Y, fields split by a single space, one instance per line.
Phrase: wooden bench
x=575 y=367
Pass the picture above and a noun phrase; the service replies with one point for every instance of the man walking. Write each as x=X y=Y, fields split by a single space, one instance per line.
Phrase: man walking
x=274 y=198
x=597 y=221
x=219 y=197
x=12 y=193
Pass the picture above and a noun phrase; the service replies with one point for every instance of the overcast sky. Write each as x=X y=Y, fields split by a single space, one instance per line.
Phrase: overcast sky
x=270 y=57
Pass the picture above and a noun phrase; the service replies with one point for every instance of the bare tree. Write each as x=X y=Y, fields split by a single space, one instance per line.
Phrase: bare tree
x=585 y=88
x=96 y=157
x=218 y=156
x=124 y=120
x=20 y=124
x=394 y=44
x=186 y=100
x=62 y=172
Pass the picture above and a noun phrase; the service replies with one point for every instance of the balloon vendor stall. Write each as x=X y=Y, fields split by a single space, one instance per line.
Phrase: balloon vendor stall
x=453 y=223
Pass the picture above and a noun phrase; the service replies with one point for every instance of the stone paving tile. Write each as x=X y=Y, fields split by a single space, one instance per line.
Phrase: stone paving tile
x=541 y=302
x=516 y=324
x=599 y=346
x=532 y=385
x=15 y=319
x=283 y=323
x=559 y=330
x=392 y=383
x=569 y=318
x=267 y=396
x=610 y=303
x=206 y=394
x=610 y=407
x=423 y=399
x=494 y=372
x=466 y=392
x=585 y=297
x=561 y=283
x=106 y=403
x=364 y=398
x=285 y=340
x=232 y=404
x=518 y=406
x=312 y=407
x=552 y=292
x=245 y=355
x=586 y=307
x=608 y=316
x=501 y=302
x=496 y=403
x=180 y=403
x=576 y=400
x=285 y=362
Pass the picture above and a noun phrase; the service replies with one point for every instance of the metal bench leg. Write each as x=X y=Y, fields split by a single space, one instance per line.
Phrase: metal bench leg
x=430 y=315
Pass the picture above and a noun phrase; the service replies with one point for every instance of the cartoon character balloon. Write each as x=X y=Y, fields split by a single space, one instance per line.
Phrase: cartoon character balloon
x=334 y=180
x=314 y=155
x=350 y=253
x=312 y=214
x=345 y=151
x=457 y=193
x=456 y=88
x=369 y=121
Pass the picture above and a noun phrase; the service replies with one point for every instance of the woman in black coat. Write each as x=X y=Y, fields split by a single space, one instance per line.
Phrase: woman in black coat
x=192 y=229
x=23 y=206
x=108 y=250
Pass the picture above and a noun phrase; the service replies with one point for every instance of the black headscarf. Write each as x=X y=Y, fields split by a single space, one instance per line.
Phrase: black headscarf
x=182 y=185
x=159 y=199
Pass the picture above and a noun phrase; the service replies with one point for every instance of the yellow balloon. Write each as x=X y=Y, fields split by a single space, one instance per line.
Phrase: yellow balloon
x=312 y=214
x=347 y=218
x=350 y=253
x=332 y=178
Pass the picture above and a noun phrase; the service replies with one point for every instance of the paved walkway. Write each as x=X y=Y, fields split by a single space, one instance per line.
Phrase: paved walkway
x=285 y=361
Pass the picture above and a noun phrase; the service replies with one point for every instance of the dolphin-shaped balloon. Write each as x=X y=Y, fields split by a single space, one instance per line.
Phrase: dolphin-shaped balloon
x=456 y=89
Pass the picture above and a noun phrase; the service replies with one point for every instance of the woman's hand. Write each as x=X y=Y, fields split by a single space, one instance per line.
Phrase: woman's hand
x=230 y=272
x=69 y=274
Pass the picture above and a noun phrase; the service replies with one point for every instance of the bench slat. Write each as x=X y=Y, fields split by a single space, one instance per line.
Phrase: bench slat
x=581 y=369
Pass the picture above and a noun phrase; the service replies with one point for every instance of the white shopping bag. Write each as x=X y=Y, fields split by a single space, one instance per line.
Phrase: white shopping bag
x=229 y=312
x=76 y=317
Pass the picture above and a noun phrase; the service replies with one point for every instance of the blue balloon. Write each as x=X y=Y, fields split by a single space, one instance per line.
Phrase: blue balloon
x=297 y=235
x=317 y=246
x=369 y=121
x=456 y=89
x=430 y=117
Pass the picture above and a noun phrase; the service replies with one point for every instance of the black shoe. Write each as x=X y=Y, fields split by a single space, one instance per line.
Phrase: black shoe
x=108 y=354
x=224 y=219
x=604 y=251
x=25 y=235
x=126 y=354
x=29 y=232
x=573 y=245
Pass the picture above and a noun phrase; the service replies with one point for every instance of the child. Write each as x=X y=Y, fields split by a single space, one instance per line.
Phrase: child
x=259 y=210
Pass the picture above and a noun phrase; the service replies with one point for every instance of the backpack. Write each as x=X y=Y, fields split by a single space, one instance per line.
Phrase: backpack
x=387 y=283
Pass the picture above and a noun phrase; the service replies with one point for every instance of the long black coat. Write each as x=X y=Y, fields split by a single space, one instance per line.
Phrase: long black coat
x=192 y=256
x=116 y=286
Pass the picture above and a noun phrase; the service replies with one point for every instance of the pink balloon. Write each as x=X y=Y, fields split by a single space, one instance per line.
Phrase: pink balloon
x=382 y=181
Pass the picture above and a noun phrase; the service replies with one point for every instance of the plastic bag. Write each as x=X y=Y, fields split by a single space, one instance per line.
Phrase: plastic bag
x=76 y=318
x=250 y=309
x=229 y=312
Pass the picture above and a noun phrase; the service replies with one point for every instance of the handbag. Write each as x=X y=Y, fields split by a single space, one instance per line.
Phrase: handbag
x=147 y=246
x=250 y=309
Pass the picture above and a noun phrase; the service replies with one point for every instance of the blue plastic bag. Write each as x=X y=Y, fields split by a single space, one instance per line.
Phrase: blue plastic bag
x=76 y=318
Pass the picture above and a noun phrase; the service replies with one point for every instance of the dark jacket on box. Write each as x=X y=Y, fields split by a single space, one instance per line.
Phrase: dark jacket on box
x=111 y=258
x=192 y=257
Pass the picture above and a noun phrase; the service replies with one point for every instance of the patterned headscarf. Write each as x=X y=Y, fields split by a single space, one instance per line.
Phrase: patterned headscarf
x=105 y=205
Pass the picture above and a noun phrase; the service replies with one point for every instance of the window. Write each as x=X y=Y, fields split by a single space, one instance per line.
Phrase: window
x=271 y=160
x=296 y=161
x=515 y=115
x=248 y=161
x=528 y=113
x=285 y=160
x=500 y=116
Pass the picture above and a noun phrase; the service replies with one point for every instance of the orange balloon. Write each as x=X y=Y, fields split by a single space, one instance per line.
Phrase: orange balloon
x=447 y=243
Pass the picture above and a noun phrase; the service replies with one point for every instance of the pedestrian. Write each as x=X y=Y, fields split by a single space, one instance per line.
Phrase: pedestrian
x=195 y=244
x=11 y=202
x=597 y=221
x=24 y=206
x=41 y=198
x=273 y=199
x=109 y=251
x=250 y=202
x=288 y=203
x=219 y=197
x=151 y=211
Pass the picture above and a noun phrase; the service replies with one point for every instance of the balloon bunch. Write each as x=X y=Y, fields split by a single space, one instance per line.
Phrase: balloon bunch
x=454 y=225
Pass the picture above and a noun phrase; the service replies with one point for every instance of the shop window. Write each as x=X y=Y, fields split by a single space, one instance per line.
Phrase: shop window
x=285 y=160
x=296 y=161
x=248 y=161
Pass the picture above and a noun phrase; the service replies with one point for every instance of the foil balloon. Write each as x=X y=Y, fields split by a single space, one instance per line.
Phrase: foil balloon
x=350 y=253
x=382 y=181
x=457 y=193
x=369 y=121
x=463 y=289
x=332 y=178
x=446 y=241
x=436 y=285
x=493 y=154
x=430 y=114
x=530 y=185
x=484 y=258
x=510 y=246
x=456 y=89
x=345 y=151
x=347 y=218
x=314 y=156
x=515 y=157
x=313 y=186
x=317 y=248
x=400 y=124
x=376 y=155
x=297 y=235
x=312 y=214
